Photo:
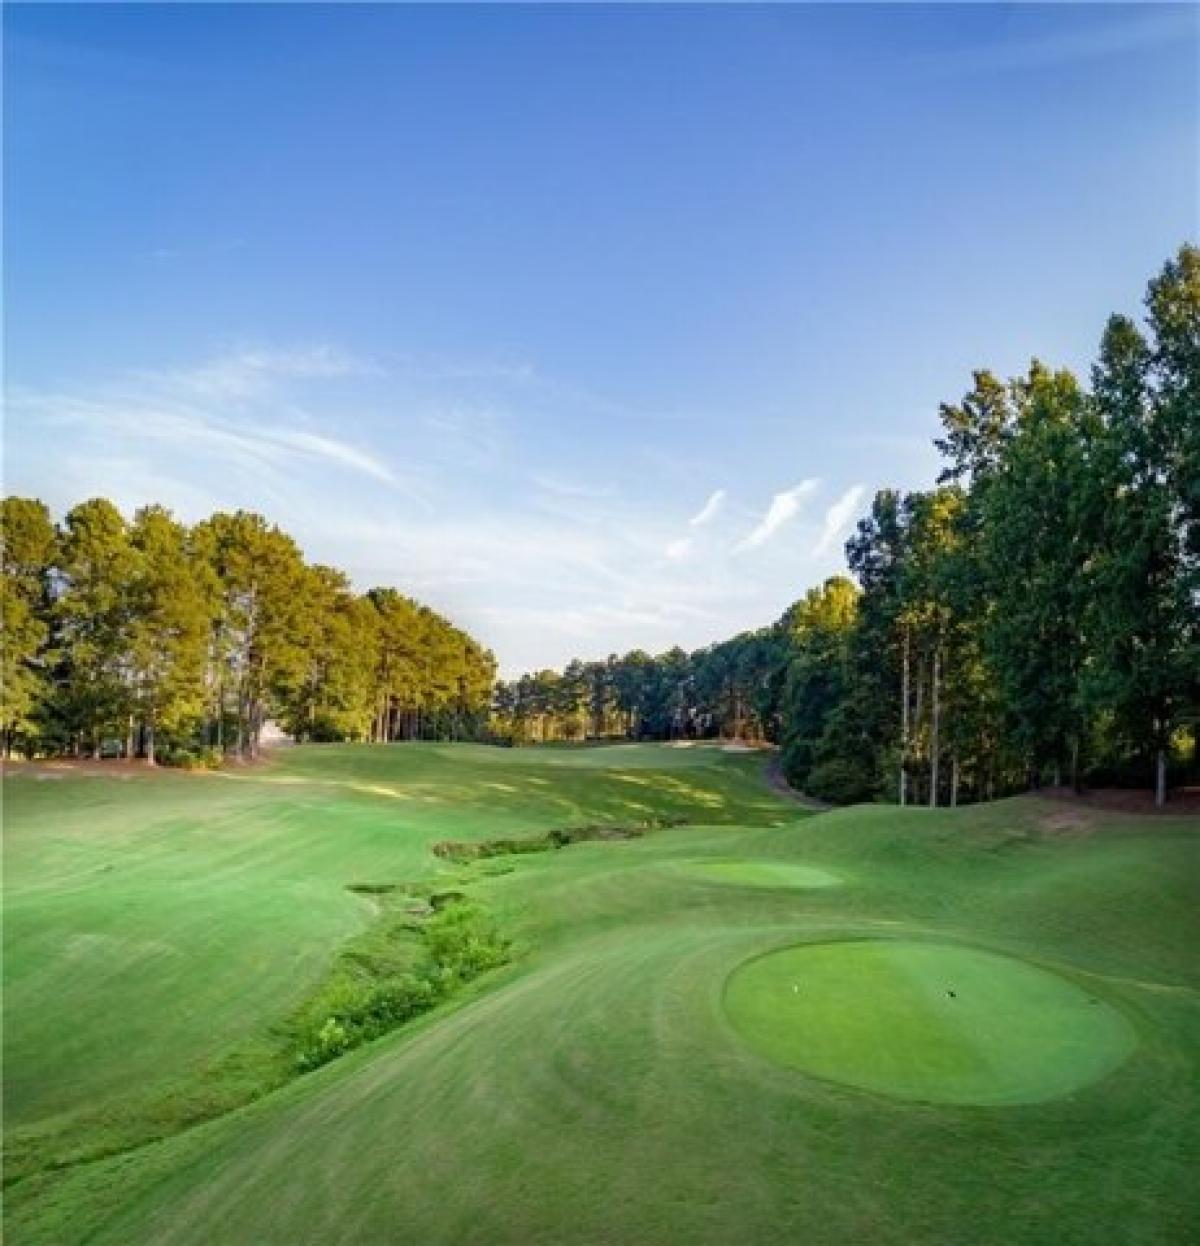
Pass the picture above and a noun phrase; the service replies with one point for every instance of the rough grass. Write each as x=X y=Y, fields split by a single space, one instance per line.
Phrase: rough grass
x=593 y=1089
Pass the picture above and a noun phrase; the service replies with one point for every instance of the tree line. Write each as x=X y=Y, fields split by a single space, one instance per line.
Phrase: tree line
x=1032 y=618
x=152 y=639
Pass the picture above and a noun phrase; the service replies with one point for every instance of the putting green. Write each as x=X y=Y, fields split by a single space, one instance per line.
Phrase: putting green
x=927 y=1021
x=762 y=873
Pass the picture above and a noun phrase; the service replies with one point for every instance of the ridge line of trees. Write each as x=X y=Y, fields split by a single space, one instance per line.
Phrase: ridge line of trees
x=147 y=638
x=1033 y=618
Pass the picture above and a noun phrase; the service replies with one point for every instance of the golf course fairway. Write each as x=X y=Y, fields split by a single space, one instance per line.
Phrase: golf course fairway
x=928 y=1021
x=713 y=1016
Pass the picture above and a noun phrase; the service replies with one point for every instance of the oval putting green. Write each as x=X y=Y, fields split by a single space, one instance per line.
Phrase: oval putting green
x=927 y=1021
x=761 y=873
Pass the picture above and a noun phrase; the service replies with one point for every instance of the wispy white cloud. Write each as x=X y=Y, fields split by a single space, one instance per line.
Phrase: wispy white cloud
x=332 y=451
x=784 y=507
x=576 y=489
x=709 y=510
x=251 y=373
x=193 y=431
x=583 y=623
x=230 y=410
x=837 y=518
x=541 y=563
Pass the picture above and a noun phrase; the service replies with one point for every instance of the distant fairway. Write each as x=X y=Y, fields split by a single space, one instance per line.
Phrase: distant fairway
x=642 y=1070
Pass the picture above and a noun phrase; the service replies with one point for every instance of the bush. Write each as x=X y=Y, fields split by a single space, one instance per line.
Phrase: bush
x=797 y=761
x=463 y=943
x=840 y=781
x=190 y=758
x=365 y=1001
x=361 y=1012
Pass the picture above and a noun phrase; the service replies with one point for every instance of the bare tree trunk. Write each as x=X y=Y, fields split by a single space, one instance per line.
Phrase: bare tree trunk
x=904 y=722
x=150 y=740
x=1160 y=778
x=954 y=779
x=240 y=743
x=934 y=725
x=129 y=739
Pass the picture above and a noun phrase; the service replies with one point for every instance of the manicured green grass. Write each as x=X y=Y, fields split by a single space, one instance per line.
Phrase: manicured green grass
x=929 y=1021
x=761 y=873
x=596 y=1088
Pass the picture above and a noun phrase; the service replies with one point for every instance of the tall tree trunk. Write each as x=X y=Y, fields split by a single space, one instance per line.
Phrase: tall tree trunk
x=150 y=740
x=904 y=722
x=934 y=725
x=129 y=738
x=954 y=779
x=1160 y=778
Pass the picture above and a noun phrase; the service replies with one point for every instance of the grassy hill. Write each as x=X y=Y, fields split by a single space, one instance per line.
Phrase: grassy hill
x=632 y=1074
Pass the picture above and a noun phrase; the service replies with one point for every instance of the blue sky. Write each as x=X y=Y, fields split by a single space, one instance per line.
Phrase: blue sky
x=593 y=327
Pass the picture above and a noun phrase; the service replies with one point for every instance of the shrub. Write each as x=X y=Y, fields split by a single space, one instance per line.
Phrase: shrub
x=462 y=942
x=365 y=1001
x=841 y=782
x=190 y=759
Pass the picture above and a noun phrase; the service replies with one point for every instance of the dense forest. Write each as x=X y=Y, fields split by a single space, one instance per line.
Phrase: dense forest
x=151 y=639
x=1032 y=618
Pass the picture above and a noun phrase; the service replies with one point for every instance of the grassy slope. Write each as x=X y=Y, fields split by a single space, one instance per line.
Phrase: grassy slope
x=593 y=1091
x=155 y=923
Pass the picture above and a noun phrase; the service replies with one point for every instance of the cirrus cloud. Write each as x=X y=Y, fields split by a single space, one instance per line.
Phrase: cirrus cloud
x=709 y=510
x=784 y=507
x=837 y=517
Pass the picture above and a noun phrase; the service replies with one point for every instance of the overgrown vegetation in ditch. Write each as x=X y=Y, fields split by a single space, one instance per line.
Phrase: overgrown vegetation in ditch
x=421 y=949
x=415 y=957
x=464 y=850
